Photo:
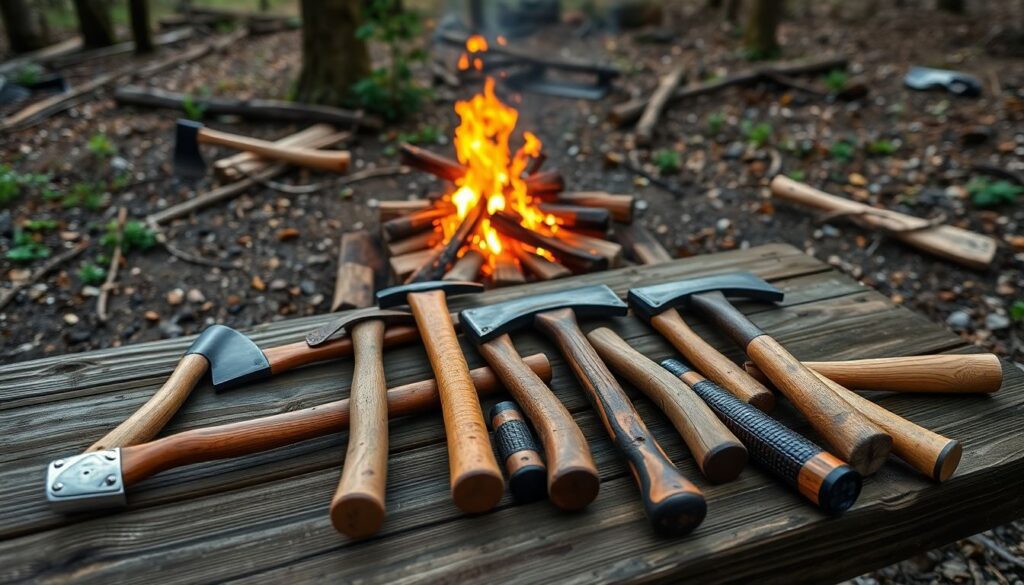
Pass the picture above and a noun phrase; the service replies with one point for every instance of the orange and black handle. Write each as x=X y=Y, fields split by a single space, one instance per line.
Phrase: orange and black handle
x=820 y=477
x=527 y=475
x=674 y=505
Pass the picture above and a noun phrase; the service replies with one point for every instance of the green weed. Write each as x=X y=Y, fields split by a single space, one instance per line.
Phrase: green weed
x=985 y=192
x=757 y=134
x=667 y=161
x=842 y=150
x=26 y=248
x=101 y=146
x=716 y=121
x=92 y=274
x=137 y=236
x=836 y=80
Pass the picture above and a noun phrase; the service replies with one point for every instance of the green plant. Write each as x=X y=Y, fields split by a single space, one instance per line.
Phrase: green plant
x=667 y=161
x=27 y=74
x=136 y=236
x=101 y=146
x=12 y=183
x=882 y=147
x=391 y=91
x=26 y=248
x=985 y=192
x=716 y=121
x=836 y=80
x=194 y=110
x=425 y=134
x=797 y=175
x=91 y=274
x=1017 y=310
x=39 y=225
x=842 y=151
x=757 y=134
x=88 y=195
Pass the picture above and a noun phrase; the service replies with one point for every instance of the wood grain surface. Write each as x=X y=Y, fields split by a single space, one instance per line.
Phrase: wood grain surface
x=262 y=516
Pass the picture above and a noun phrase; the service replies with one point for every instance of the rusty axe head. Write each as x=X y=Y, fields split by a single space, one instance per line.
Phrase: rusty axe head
x=396 y=295
x=188 y=161
x=648 y=301
x=485 y=323
x=347 y=320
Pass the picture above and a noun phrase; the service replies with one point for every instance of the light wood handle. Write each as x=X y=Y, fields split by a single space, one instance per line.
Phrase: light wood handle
x=959 y=245
x=293 y=355
x=710 y=362
x=271 y=432
x=955 y=374
x=573 y=480
x=674 y=505
x=150 y=418
x=853 y=438
x=928 y=452
x=476 y=480
x=718 y=453
x=357 y=509
x=336 y=161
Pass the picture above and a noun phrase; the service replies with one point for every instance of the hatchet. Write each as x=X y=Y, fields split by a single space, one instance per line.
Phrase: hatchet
x=189 y=163
x=99 y=479
x=476 y=481
x=852 y=436
x=673 y=504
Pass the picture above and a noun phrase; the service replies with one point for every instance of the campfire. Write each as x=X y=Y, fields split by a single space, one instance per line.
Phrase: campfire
x=501 y=216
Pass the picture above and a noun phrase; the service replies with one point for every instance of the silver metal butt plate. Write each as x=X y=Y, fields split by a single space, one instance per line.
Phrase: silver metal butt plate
x=86 y=482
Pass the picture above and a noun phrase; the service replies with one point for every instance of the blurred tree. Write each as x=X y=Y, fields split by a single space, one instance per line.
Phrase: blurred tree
x=26 y=28
x=140 y=26
x=333 y=57
x=94 y=23
x=760 y=35
x=954 y=6
x=732 y=11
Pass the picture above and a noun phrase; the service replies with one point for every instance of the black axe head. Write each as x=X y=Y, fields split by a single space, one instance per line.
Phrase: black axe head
x=234 y=358
x=188 y=161
x=396 y=295
x=485 y=323
x=348 y=319
x=648 y=301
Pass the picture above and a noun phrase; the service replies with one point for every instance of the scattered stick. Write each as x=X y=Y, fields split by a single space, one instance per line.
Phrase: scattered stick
x=615 y=159
x=247 y=162
x=573 y=257
x=362 y=175
x=998 y=549
x=652 y=112
x=161 y=238
x=354 y=284
x=416 y=242
x=621 y=207
x=467 y=267
x=125 y=48
x=407 y=225
x=578 y=217
x=62 y=48
x=611 y=251
x=404 y=265
x=391 y=209
x=8 y=295
x=115 y=263
x=641 y=245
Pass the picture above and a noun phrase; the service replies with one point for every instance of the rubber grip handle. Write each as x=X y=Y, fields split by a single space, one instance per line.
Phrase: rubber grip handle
x=527 y=474
x=817 y=475
x=674 y=505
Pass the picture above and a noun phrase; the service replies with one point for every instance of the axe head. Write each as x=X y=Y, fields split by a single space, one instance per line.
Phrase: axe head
x=396 y=295
x=188 y=161
x=648 y=301
x=234 y=358
x=482 y=324
x=349 y=319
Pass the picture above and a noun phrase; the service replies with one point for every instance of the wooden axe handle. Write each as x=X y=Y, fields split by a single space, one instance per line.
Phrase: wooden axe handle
x=293 y=355
x=718 y=453
x=476 y=481
x=139 y=462
x=357 y=509
x=949 y=242
x=573 y=480
x=958 y=374
x=335 y=161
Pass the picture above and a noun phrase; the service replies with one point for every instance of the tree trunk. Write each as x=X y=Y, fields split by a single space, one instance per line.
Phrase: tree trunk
x=140 y=26
x=333 y=58
x=26 y=30
x=954 y=6
x=732 y=11
x=762 y=23
x=94 y=23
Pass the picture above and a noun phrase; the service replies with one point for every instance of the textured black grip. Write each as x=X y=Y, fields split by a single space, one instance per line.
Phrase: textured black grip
x=518 y=452
x=512 y=437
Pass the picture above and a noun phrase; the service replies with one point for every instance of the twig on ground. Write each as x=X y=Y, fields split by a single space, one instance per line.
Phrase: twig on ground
x=998 y=549
x=323 y=185
x=8 y=295
x=161 y=238
x=115 y=263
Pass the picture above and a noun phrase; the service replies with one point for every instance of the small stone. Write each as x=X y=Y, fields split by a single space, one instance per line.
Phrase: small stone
x=308 y=287
x=195 y=296
x=857 y=179
x=959 y=320
x=996 y=322
x=316 y=299
x=278 y=284
x=151 y=316
x=90 y=291
x=168 y=329
x=175 y=297
x=723 y=224
x=79 y=334
x=317 y=259
x=286 y=234
x=735 y=150
x=257 y=283
x=830 y=231
x=71 y=318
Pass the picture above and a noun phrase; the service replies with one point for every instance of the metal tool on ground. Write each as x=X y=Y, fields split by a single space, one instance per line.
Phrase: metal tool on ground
x=572 y=478
x=527 y=474
x=129 y=465
x=673 y=504
x=476 y=481
x=819 y=476
x=358 y=509
x=718 y=453
x=948 y=374
x=852 y=437
x=189 y=162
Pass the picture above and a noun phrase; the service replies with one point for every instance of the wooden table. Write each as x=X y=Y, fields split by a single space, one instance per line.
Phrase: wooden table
x=264 y=517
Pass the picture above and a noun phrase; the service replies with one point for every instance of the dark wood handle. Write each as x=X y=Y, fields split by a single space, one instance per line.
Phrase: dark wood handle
x=335 y=161
x=674 y=505
x=270 y=432
x=476 y=480
x=293 y=355
x=573 y=480
x=960 y=374
x=357 y=509
x=719 y=454
x=713 y=364
x=150 y=418
x=928 y=452
x=853 y=437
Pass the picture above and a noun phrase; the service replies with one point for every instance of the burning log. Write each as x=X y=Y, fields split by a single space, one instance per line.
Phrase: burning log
x=420 y=241
x=621 y=207
x=407 y=225
x=391 y=209
x=573 y=257
x=467 y=267
x=403 y=266
x=354 y=284
x=578 y=217
x=437 y=266
x=640 y=244
x=442 y=167
x=610 y=251
x=649 y=118
x=506 y=271
x=539 y=266
x=545 y=183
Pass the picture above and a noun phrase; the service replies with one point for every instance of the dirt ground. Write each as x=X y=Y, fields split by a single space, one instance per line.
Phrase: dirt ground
x=925 y=146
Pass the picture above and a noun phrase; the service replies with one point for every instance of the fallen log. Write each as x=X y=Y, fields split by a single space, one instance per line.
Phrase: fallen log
x=621 y=207
x=652 y=111
x=574 y=258
x=640 y=245
x=75 y=58
x=62 y=48
x=358 y=258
